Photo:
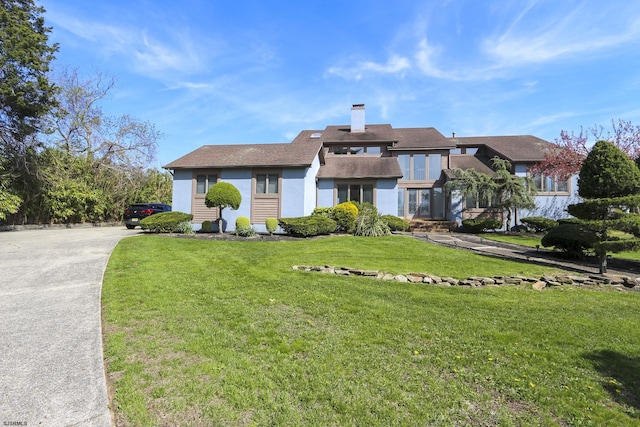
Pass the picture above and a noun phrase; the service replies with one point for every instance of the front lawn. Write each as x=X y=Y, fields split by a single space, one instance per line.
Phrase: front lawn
x=208 y=332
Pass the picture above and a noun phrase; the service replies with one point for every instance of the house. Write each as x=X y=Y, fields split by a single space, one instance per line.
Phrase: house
x=401 y=171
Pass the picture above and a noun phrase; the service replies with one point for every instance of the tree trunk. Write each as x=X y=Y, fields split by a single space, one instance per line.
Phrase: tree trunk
x=602 y=257
x=220 y=222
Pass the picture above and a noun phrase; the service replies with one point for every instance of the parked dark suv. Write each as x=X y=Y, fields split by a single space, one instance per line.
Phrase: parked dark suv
x=134 y=213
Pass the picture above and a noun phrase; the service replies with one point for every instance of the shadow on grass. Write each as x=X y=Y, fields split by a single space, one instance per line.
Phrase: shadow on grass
x=621 y=376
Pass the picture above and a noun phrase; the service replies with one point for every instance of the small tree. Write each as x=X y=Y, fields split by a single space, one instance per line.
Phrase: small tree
x=223 y=195
x=609 y=182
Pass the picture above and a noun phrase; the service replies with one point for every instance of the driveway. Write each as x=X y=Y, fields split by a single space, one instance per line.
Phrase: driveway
x=51 y=363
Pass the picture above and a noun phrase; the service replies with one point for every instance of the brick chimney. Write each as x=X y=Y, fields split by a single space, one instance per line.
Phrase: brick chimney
x=357 y=118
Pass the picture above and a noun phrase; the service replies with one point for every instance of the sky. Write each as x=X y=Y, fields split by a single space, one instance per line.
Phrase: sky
x=261 y=71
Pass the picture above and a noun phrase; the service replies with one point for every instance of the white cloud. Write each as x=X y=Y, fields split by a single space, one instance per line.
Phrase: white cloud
x=396 y=64
x=540 y=39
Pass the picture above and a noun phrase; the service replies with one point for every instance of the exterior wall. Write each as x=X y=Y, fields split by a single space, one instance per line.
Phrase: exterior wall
x=181 y=196
x=310 y=188
x=387 y=196
x=325 y=193
x=555 y=206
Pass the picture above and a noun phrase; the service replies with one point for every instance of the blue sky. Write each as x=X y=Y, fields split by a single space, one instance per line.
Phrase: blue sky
x=260 y=71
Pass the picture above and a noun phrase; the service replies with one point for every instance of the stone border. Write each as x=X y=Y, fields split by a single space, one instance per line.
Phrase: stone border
x=620 y=283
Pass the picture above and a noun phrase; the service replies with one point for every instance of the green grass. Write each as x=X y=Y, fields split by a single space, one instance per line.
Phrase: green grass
x=206 y=332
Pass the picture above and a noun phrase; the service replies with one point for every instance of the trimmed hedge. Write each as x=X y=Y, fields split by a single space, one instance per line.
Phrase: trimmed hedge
x=539 y=224
x=396 y=223
x=574 y=239
x=325 y=212
x=207 y=227
x=478 y=225
x=165 y=222
x=307 y=226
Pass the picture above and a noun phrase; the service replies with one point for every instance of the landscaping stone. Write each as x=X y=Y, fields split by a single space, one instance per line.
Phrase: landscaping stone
x=619 y=283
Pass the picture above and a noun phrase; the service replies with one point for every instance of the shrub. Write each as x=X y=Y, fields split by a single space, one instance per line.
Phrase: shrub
x=345 y=216
x=243 y=227
x=165 y=222
x=369 y=222
x=573 y=239
x=185 y=228
x=396 y=223
x=307 y=226
x=271 y=224
x=207 y=227
x=539 y=224
x=478 y=225
x=325 y=212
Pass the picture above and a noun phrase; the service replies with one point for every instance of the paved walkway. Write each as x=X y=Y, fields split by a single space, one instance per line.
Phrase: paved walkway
x=51 y=363
x=516 y=252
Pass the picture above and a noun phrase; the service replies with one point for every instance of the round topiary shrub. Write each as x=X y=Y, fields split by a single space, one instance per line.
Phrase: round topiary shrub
x=243 y=227
x=345 y=215
x=271 y=224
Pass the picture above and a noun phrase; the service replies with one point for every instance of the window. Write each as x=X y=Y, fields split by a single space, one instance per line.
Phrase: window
x=548 y=184
x=355 y=192
x=205 y=182
x=356 y=150
x=472 y=201
x=267 y=183
x=420 y=167
x=435 y=166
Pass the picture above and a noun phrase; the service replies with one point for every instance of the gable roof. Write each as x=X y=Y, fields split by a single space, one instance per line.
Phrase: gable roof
x=248 y=155
x=515 y=148
x=360 y=167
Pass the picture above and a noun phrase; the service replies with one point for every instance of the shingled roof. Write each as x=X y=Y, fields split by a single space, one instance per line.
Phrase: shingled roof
x=421 y=138
x=348 y=167
x=249 y=155
x=468 y=161
x=516 y=148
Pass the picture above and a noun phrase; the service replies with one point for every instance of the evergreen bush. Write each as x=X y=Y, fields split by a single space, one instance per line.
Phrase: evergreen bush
x=307 y=226
x=573 y=239
x=207 y=227
x=539 y=224
x=478 y=225
x=396 y=223
x=325 y=212
x=271 y=224
x=165 y=222
x=345 y=216
x=243 y=227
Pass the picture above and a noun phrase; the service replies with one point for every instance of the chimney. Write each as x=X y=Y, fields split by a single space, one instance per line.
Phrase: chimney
x=454 y=134
x=357 y=118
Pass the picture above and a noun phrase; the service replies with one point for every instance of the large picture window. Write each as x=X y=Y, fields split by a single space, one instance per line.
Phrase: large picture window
x=420 y=167
x=354 y=192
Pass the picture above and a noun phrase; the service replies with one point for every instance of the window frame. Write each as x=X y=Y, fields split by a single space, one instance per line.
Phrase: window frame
x=409 y=173
x=352 y=183
x=544 y=180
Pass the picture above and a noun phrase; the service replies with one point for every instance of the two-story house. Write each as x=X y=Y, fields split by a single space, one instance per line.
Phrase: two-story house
x=401 y=171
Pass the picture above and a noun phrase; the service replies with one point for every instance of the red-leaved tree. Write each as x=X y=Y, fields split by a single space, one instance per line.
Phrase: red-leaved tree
x=571 y=149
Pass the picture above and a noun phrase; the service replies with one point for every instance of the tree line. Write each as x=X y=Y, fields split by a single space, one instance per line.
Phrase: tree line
x=62 y=159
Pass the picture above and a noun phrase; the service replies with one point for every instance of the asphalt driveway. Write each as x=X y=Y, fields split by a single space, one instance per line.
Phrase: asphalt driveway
x=51 y=363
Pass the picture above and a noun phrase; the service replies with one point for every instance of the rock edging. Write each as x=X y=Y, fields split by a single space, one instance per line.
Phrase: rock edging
x=620 y=283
